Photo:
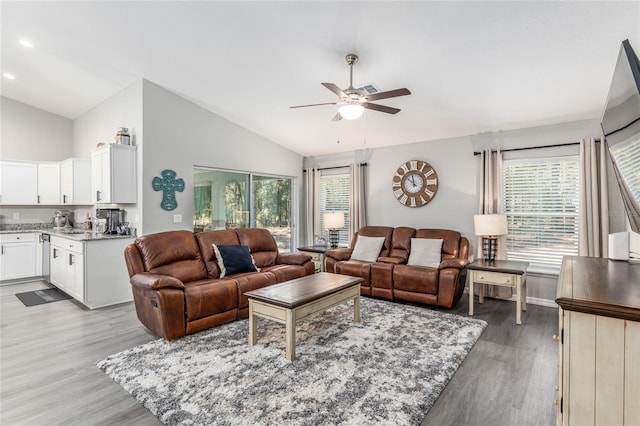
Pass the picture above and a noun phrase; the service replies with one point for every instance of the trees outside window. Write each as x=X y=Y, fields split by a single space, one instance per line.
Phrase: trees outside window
x=229 y=200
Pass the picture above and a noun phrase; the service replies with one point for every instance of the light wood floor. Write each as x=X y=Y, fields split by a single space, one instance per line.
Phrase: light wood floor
x=48 y=374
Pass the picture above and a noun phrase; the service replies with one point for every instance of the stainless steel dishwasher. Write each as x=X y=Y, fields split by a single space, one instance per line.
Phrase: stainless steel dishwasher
x=46 y=267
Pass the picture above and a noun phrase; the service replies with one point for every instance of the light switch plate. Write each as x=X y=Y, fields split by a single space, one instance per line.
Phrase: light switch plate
x=16 y=215
x=177 y=218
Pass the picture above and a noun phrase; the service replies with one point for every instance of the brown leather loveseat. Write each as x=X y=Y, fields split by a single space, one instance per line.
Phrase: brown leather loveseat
x=391 y=277
x=176 y=281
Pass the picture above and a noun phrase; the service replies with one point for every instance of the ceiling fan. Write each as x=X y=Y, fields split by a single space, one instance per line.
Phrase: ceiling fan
x=354 y=101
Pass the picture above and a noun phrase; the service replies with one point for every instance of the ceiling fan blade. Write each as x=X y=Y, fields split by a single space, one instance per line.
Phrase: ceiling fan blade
x=388 y=94
x=310 y=105
x=337 y=117
x=381 y=108
x=335 y=89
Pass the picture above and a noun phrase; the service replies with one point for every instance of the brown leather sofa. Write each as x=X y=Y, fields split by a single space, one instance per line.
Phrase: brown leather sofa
x=177 y=289
x=391 y=278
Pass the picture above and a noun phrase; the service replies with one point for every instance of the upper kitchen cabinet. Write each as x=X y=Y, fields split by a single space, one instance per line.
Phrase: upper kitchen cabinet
x=113 y=174
x=49 y=183
x=75 y=181
x=18 y=182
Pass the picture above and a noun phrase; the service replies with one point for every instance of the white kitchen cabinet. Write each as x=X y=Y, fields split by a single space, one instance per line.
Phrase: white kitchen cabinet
x=18 y=182
x=113 y=174
x=92 y=271
x=75 y=181
x=67 y=266
x=49 y=183
x=17 y=255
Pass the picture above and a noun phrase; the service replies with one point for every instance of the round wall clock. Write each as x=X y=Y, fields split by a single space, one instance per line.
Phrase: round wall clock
x=415 y=183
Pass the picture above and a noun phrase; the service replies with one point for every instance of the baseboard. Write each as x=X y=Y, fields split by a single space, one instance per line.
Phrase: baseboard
x=538 y=301
x=530 y=300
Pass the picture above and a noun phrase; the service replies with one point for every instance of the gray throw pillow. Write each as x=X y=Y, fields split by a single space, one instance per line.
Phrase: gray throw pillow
x=425 y=252
x=367 y=249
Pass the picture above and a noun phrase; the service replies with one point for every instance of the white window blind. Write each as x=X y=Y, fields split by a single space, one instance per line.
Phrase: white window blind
x=541 y=203
x=334 y=197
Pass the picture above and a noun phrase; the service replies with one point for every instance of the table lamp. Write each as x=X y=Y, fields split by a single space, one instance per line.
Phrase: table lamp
x=489 y=226
x=333 y=221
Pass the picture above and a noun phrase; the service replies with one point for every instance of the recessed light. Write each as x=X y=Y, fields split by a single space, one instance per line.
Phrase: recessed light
x=9 y=76
x=26 y=43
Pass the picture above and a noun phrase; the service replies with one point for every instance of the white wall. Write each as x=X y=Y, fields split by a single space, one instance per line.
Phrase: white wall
x=179 y=134
x=456 y=201
x=29 y=133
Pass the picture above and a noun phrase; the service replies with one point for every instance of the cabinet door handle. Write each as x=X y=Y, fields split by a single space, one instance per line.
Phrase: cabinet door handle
x=38 y=199
x=70 y=259
x=64 y=199
x=98 y=196
x=55 y=253
x=1 y=249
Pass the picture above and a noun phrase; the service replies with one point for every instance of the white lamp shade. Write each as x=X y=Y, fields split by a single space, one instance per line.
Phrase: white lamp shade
x=490 y=224
x=333 y=220
x=351 y=111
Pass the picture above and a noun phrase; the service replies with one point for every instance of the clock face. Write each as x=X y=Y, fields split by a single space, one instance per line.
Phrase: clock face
x=415 y=183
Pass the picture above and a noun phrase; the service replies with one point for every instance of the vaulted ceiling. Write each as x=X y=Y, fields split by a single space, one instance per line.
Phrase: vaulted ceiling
x=472 y=67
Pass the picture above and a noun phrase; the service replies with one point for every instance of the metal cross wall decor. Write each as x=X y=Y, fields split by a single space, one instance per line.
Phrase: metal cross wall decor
x=168 y=184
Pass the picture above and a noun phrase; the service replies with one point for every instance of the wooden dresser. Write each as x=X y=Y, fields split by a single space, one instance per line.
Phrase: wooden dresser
x=599 y=342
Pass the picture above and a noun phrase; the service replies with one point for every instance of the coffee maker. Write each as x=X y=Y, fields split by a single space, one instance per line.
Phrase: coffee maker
x=114 y=218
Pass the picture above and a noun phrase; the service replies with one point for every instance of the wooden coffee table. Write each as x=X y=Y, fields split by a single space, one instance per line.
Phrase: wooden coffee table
x=295 y=300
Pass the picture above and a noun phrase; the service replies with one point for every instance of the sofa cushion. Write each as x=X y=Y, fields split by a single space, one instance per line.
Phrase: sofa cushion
x=376 y=231
x=206 y=239
x=174 y=253
x=209 y=297
x=367 y=249
x=234 y=259
x=261 y=243
x=401 y=244
x=425 y=252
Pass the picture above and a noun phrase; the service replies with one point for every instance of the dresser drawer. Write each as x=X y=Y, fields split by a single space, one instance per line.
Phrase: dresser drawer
x=486 y=277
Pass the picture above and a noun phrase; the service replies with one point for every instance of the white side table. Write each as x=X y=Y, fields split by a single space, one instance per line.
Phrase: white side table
x=504 y=273
x=317 y=254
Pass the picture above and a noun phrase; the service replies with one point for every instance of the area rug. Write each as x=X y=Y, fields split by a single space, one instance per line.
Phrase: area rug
x=388 y=370
x=39 y=297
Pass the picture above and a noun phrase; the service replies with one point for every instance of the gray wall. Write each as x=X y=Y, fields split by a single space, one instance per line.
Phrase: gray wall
x=29 y=133
x=100 y=124
x=456 y=202
x=179 y=134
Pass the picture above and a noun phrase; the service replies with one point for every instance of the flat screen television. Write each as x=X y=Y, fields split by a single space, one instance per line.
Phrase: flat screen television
x=621 y=128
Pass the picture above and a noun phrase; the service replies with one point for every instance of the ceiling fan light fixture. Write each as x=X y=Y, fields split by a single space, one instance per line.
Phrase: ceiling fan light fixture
x=351 y=110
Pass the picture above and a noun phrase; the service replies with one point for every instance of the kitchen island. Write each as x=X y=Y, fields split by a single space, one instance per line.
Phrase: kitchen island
x=88 y=266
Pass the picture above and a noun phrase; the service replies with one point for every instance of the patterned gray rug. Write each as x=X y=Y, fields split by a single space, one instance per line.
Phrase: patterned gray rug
x=389 y=369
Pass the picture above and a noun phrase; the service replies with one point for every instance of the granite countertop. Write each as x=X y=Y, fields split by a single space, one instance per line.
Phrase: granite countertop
x=75 y=234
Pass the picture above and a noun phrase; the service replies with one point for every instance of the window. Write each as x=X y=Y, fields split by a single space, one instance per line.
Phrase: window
x=541 y=204
x=335 y=189
x=229 y=200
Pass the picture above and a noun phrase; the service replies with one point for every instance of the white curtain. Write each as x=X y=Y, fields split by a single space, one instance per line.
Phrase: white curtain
x=490 y=202
x=357 y=205
x=594 y=204
x=312 y=205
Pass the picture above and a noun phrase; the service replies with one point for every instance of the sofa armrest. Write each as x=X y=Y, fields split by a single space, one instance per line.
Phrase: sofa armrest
x=392 y=259
x=339 y=253
x=293 y=259
x=149 y=281
x=453 y=263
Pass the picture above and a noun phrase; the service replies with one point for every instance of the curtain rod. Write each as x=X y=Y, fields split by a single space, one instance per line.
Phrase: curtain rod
x=533 y=147
x=335 y=167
